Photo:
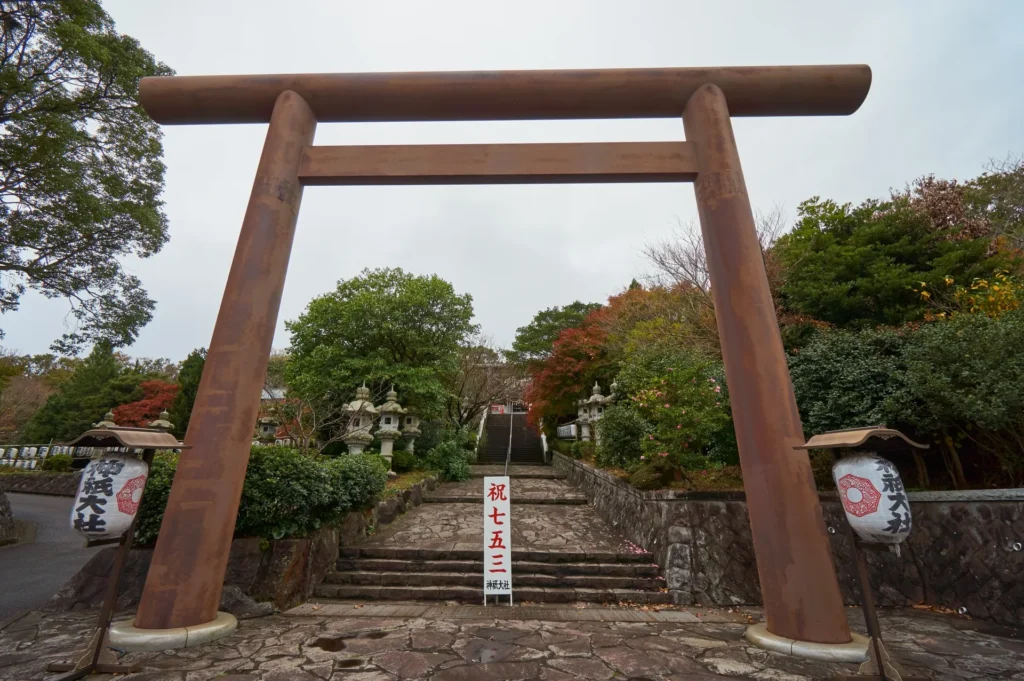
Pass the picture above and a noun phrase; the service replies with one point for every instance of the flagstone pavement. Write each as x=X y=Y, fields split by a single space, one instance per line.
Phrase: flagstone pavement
x=372 y=642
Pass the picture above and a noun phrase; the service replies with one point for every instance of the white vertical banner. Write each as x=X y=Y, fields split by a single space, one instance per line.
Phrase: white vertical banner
x=497 y=537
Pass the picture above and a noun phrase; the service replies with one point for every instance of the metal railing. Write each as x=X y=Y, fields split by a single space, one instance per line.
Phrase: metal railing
x=508 y=454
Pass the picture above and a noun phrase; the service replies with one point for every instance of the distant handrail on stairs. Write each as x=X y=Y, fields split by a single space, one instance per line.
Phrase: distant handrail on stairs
x=508 y=454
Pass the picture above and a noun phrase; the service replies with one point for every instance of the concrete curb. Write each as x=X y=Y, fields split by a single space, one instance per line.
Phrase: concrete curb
x=855 y=651
x=124 y=635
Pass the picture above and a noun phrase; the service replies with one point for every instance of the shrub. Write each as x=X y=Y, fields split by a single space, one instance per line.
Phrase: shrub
x=582 y=449
x=58 y=463
x=403 y=461
x=652 y=474
x=563 y=447
x=451 y=460
x=154 y=498
x=361 y=479
x=681 y=395
x=845 y=379
x=286 y=493
x=622 y=430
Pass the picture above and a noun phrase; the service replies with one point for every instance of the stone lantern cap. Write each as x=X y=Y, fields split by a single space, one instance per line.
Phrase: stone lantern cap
x=362 y=403
x=163 y=422
x=391 y=406
x=597 y=398
x=107 y=422
x=884 y=438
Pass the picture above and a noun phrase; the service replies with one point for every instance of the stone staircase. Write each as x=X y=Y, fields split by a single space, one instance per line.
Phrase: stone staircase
x=526 y=443
x=370 y=573
x=562 y=551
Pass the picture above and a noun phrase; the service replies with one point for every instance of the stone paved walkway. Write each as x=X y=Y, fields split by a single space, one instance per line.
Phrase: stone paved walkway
x=484 y=647
x=524 y=490
x=534 y=526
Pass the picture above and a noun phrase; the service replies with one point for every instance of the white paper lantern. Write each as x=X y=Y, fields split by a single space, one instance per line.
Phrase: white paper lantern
x=873 y=497
x=108 y=496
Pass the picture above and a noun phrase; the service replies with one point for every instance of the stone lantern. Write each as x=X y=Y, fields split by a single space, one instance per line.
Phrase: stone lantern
x=266 y=430
x=361 y=412
x=595 y=406
x=583 y=420
x=411 y=429
x=388 y=427
x=163 y=423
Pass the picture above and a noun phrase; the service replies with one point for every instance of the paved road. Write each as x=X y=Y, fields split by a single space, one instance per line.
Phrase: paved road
x=31 y=573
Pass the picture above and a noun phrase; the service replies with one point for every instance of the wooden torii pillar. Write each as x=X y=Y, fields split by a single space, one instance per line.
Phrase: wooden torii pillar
x=798 y=581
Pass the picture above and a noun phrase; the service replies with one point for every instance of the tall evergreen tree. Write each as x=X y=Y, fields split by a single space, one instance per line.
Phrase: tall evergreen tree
x=83 y=398
x=189 y=375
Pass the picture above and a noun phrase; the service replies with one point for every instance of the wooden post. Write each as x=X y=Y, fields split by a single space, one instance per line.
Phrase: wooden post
x=794 y=562
x=186 y=576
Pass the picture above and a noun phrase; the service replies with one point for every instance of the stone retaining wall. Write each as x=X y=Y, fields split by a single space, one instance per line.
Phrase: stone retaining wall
x=283 y=572
x=56 y=484
x=8 y=531
x=964 y=550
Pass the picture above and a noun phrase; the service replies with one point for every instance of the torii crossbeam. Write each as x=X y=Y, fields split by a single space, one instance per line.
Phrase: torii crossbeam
x=798 y=581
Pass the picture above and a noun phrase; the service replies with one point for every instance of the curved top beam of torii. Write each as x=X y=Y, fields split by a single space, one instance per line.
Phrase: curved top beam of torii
x=508 y=95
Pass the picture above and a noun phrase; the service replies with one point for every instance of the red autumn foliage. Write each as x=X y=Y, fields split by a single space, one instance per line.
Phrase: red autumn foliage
x=157 y=397
x=579 y=357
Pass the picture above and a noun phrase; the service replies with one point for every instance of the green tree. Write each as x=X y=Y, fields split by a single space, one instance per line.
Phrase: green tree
x=82 y=399
x=80 y=167
x=534 y=341
x=189 y=375
x=855 y=267
x=966 y=373
x=384 y=327
x=997 y=195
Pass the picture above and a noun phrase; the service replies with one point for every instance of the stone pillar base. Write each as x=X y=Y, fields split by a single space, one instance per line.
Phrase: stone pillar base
x=855 y=651
x=124 y=635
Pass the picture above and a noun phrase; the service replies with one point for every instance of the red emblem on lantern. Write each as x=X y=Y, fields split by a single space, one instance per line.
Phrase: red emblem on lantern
x=126 y=502
x=858 y=494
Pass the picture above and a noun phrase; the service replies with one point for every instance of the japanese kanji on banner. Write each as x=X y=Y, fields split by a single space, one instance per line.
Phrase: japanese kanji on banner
x=873 y=497
x=108 y=496
x=497 y=536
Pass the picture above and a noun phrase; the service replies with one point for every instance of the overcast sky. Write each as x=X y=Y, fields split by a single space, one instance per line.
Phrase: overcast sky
x=945 y=99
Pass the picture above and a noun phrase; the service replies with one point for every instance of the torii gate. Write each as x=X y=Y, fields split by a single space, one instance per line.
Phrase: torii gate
x=798 y=581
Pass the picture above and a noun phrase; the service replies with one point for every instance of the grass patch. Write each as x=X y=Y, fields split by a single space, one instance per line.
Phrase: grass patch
x=721 y=479
x=405 y=481
x=11 y=470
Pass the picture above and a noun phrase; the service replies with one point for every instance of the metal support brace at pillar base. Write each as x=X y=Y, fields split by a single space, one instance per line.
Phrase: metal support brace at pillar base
x=855 y=651
x=124 y=635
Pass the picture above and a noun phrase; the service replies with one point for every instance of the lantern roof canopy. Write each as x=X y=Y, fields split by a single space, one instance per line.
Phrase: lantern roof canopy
x=362 y=402
x=133 y=438
x=596 y=396
x=855 y=437
x=391 y=406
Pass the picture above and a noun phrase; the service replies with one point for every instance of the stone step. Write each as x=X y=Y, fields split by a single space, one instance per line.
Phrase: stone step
x=535 y=555
x=628 y=570
x=475 y=594
x=571 y=499
x=550 y=474
x=475 y=579
x=532 y=460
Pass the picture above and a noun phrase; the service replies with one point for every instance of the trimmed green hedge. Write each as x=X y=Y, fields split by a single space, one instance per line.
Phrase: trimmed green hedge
x=286 y=493
x=58 y=463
